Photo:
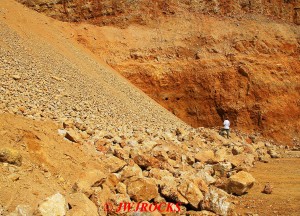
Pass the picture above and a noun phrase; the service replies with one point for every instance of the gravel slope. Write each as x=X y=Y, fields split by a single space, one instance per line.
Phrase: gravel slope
x=46 y=74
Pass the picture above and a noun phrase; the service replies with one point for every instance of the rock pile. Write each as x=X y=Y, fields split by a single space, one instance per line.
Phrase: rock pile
x=197 y=168
x=196 y=172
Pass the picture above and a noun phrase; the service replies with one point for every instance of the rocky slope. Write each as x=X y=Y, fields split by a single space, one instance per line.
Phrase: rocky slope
x=201 y=59
x=44 y=75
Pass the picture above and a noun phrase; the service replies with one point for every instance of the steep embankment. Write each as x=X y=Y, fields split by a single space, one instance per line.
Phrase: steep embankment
x=201 y=60
x=47 y=74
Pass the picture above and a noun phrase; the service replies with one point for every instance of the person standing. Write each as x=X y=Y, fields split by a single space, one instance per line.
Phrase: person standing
x=226 y=124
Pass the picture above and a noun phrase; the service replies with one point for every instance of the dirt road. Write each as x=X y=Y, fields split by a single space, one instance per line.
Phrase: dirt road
x=284 y=176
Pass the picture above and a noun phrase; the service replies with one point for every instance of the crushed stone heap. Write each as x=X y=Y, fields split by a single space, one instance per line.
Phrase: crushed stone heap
x=62 y=82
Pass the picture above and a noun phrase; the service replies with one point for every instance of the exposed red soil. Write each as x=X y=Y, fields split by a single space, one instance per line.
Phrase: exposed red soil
x=200 y=71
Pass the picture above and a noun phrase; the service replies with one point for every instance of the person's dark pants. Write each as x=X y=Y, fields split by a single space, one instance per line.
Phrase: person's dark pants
x=227 y=132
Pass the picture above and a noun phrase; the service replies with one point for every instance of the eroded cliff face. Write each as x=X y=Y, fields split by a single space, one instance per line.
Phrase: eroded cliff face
x=124 y=12
x=208 y=68
x=202 y=59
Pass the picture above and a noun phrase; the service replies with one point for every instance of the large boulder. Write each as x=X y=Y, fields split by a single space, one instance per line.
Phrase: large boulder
x=87 y=180
x=81 y=205
x=131 y=171
x=242 y=160
x=112 y=180
x=121 y=188
x=222 y=154
x=204 y=156
x=206 y=177
x=240 y=183
x=217 y=201
x=203 y=187
x=222 y=168
x=159 y=174
x=73 y=136
x=21 y=210
x=101 y=196
x=145 y=161
x=114 y=164
x=170 y=192
x=191 y=192
x=55 y=205
x=141 y=189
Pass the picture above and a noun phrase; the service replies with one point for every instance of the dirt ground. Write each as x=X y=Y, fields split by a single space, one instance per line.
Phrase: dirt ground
x=50 y=164
x=284 y=175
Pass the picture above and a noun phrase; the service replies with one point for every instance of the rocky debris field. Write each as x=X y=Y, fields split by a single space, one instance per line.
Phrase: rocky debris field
x=51 y=171
x=77 y=139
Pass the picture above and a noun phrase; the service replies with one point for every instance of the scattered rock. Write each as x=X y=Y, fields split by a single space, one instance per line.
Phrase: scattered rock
x=16 y=77
x=14 y=177
x=237 y=150
x=240 y=183
x=200 y=213
x=3 y=211
x=10 y=156
x=273 y=153
x=62 y=132
x=243 y=71
x=88 y=105
x=73 y=136
x=198 y=55
x=268 y=189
